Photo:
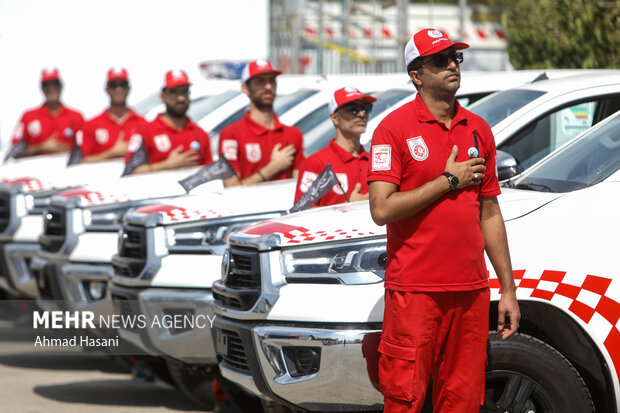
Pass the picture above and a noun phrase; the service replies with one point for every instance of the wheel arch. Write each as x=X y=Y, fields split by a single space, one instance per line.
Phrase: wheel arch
x=556 y=328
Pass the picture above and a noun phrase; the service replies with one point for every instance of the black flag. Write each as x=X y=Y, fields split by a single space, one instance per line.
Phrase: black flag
x=16 y=150
x=321 y=185
x=76 y=155
x=139 y=158
x=220 y=169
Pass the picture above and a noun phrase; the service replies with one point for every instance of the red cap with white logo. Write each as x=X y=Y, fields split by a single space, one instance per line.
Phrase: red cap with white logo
x=258 y=67
x=427 y=42
x=50 y=74
x=176 y=78
x=117 y=73
x=348 y=94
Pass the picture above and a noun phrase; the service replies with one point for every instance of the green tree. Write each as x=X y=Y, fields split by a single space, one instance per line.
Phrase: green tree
x=563 y=33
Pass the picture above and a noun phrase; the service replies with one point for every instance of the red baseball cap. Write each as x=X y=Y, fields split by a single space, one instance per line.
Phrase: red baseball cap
x=176 y=78
x=427 y=42
x=117 y=73
x=348 y=94
x=50 y=74
x=258 y=67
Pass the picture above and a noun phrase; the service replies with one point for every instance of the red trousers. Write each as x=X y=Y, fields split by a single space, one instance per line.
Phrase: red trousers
x=443 y=334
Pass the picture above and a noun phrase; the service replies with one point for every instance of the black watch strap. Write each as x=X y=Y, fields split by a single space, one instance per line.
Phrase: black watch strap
x=452 y=180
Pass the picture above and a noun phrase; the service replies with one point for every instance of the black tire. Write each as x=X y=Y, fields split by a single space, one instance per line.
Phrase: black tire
x=239 y=398
x=194 y=381
x=526 y=375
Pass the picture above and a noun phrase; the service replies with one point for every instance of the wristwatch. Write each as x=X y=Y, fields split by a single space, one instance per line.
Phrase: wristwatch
x=452 y=180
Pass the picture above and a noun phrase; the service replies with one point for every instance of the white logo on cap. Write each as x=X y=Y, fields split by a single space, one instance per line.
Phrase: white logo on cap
x=435 y=34
x=350 y=89
x=261 y=62
x=176 y=73
x=418 y=148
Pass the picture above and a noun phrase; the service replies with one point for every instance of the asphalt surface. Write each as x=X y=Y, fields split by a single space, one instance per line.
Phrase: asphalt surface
x=67 y=381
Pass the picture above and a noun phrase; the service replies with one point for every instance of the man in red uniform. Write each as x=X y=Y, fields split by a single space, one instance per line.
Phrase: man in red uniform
x=52 y=127
x=433 y=182
x=258 y=146
x=107 y=135
x=349 y=109
x=172 y=140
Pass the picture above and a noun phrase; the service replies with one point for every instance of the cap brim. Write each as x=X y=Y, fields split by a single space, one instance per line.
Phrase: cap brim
x=365 y=98
x=444 y=46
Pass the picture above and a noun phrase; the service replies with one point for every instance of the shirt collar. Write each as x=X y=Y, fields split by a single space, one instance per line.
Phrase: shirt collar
x=343 y=154
x=259 y=129
x=61 y=111
x=424 y=115
x=188 y=125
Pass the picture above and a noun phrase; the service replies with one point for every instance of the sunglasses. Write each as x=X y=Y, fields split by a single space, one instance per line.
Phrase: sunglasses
x=50 y=83
x=121 y=83
x=442 y=60
x=173 y=94
x=354 y=108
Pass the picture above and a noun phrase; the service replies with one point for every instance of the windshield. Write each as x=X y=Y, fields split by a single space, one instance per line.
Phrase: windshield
x=586 y=161
x=146 y=105
x=500 y=105
x=201 y=107
x=318 y=137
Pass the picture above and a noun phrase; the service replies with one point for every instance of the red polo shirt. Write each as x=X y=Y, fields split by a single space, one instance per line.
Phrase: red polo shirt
x=248 y=145
x=348 y=168
x=37 y=125
x=442 y=247
x=160 y=139
x=101 y=132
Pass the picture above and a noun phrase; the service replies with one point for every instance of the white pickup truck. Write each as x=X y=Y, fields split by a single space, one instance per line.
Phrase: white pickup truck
x=169 y=255
x=300 y=304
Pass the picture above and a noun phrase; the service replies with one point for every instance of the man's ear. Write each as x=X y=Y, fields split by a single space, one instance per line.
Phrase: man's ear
x=245 y=88
x=414 y=75
x=335 y=118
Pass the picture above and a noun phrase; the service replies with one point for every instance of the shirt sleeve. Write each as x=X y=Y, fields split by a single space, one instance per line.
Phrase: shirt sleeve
x=205 y=148
x=135 y=141
x=229 y=146
x=489 y=187
x=20 y=131
x=308 y=172
x=385 y=157
x=299 y=145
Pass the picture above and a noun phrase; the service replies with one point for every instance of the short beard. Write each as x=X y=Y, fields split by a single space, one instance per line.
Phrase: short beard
x=176 y=113
x=263 y=106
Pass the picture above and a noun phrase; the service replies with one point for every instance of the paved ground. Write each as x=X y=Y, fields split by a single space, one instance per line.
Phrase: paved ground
x=70 y=381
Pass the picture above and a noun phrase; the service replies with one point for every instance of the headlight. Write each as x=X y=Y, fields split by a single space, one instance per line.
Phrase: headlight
x=349 y=263
x=212 y=234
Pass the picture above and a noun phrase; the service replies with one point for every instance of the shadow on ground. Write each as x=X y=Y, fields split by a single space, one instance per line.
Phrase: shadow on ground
x=120 y=392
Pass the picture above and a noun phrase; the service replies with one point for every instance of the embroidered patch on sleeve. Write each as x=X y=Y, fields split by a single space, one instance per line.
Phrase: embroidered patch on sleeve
x=381 y=157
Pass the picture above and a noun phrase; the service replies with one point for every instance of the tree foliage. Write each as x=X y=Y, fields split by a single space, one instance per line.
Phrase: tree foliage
x=563 y=33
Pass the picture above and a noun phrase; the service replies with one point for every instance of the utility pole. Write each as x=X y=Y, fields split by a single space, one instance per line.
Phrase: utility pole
x=462 y=10
x=401 y=36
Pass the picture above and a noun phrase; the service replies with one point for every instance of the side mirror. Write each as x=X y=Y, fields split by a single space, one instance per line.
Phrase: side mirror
x=506 y=166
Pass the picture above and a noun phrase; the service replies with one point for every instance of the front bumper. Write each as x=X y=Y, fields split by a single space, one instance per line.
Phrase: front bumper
x=18 y=279
x=318 y=368
x=190 y=345
x=64 y=285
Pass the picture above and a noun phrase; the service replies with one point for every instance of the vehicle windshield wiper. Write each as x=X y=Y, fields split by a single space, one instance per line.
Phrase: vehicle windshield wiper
x=534 y=187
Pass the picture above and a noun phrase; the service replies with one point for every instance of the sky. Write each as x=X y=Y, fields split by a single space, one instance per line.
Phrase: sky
x=85 y=38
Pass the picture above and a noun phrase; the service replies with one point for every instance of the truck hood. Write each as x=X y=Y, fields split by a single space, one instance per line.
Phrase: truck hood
x=516 y=203
x=34 y=166
x=239 y=200
x=337 y=222
x=156 y=185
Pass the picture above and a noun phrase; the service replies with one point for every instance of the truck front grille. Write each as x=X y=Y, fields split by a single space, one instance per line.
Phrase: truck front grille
x=241 y=286
x=235 y=355
x=5 y=211
x=132 y=252
x=54 y=229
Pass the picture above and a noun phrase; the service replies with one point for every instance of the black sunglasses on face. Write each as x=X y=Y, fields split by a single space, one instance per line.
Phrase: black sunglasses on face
x=442 y=60
x=50 y=83
x=354 y=108
x=122 y=84
x=173 y=94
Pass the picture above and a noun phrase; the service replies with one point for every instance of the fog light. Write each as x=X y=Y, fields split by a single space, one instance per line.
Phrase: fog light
x=96 y=290
x=302 y=361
